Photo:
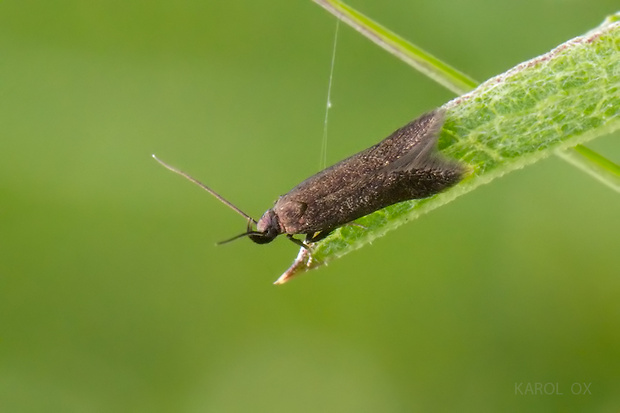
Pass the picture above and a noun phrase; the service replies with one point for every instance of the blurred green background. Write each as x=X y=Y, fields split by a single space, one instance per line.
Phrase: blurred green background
x=113 y=296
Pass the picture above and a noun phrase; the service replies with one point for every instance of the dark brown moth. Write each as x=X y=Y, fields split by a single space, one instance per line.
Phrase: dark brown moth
x=406 y=165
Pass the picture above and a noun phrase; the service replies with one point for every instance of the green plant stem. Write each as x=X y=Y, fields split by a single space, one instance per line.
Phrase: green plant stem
x=441 y=72
x=598 y=167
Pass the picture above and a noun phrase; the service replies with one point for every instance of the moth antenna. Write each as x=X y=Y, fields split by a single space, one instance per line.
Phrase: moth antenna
x=248 y=232
x=209 y=190
x=245 y=234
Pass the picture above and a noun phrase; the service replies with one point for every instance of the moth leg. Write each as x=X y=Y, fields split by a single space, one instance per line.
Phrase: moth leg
x=298 y=242
x=317 y=236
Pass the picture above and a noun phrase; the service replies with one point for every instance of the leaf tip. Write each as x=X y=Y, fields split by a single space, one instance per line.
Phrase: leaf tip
x=301 y=264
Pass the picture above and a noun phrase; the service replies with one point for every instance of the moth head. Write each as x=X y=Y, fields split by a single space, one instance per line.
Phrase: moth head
x=267 y=228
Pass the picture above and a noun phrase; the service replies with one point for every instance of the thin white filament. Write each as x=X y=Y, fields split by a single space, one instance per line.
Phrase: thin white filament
x=328 y=104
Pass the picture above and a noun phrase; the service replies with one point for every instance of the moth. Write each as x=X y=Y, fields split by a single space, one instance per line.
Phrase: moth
x=406 y=165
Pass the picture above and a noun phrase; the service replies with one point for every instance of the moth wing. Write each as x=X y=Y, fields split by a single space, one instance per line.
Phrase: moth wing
x=408 y=147
x=406 y=165
x=424 y=157
x=421 y=147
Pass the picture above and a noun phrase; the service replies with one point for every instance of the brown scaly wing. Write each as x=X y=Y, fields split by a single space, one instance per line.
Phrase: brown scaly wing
x=401 y=167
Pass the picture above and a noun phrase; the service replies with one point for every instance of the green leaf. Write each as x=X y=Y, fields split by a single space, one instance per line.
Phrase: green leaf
x=553 y=102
